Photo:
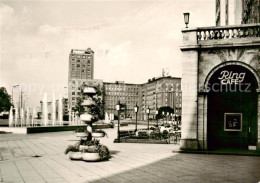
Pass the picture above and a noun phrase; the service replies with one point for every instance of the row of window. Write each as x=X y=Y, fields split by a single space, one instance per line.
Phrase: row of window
x=80 y=56
x=122 y=93
x=121 y=89
x=73 y=66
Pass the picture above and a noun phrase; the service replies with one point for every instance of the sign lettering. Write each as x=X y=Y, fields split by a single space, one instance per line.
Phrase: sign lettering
x=230 y=77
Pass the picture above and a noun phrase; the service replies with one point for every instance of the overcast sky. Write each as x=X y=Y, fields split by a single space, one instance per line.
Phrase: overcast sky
x=132 y=40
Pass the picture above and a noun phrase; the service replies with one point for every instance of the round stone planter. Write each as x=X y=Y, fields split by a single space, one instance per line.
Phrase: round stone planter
x=85 y=117
x=83 y=147
x=88 y=103
x=75 y=155
x=90 y=156
x=81 y=134
x=97 y=134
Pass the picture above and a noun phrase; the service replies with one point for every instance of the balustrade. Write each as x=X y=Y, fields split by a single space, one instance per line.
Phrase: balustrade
x=228 y=32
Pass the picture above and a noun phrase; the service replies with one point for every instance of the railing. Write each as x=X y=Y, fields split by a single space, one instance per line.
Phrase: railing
x=228 y=32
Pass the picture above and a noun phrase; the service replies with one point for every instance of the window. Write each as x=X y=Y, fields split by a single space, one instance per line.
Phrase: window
x=72 y=56
x=78 y=65
x=78 y=56
x=88 y=61
x=84 y=56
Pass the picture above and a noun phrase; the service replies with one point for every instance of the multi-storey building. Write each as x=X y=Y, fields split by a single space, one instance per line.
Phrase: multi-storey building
x=127 y=94
x=160 y=92
x=235 y=12
x=156 y=93
x=81 y=68
x=222 y=110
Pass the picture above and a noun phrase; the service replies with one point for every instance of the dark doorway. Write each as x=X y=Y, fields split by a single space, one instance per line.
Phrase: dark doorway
x=232 y=109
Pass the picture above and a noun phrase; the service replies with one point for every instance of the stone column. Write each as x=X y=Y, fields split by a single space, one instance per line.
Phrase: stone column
x=202 y=120
x=258 y=122
x=189 y=84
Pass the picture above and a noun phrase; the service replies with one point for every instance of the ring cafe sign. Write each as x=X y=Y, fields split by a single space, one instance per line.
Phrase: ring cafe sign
x=230 y=77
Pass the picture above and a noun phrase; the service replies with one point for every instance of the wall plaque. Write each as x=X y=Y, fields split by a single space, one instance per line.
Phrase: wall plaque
x=233 y=122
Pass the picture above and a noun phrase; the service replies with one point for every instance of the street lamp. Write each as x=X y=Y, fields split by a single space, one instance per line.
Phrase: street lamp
x=136 y=108
x=163 y=116
x=186 y=18
x=167 y=117
x=118 y=106
x=157 y=112
x=177 y=121
x=148 y=112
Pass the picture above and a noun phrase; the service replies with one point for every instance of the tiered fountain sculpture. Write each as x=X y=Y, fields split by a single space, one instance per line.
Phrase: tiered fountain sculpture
x=88 y=149
x=87 y=117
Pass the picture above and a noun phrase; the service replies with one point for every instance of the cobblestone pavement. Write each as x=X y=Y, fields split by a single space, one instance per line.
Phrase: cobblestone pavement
x=40 y=158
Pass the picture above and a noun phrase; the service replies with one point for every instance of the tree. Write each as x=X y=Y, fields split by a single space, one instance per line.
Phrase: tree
x=5 y=100
x=97 y=110
x=165 y=109
x=79 y=108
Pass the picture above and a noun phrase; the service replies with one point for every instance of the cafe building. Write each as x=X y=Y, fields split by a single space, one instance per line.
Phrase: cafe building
x=221 y=87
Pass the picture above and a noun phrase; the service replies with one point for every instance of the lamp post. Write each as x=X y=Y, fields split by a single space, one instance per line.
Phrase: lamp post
x=167 y=117
x=157 y=112
x=186 y=18
x=148 y=112
x=118 y=130
x=163 y=116
x=177 y=121
x=136 y=111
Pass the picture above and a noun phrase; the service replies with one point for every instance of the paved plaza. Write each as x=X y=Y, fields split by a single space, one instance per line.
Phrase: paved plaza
x=40 y=158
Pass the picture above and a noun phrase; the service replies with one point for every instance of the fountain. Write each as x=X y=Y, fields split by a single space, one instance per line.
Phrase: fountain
x=33 y=115
x=107 y=120
x=11 y=116
x=22 y=117
x=16 y=116
x=60 y=111
x=53 y=110
x=70 y=122
x=27 y=116
x=45 y=109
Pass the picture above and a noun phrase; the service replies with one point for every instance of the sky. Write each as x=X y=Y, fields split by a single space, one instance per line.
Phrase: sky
x=132 y=40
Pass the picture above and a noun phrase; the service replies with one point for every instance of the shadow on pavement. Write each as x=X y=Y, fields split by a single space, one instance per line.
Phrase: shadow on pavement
x=193 y=168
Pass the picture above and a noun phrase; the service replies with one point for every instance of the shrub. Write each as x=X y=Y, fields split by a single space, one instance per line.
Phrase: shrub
x=72 y=148
x=86 y=142
x=165 y=134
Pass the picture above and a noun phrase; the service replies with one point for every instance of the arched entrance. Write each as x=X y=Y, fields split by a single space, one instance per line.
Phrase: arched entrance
x=232 y=108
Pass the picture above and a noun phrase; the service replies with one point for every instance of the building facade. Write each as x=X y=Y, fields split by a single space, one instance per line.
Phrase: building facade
x=127 y=94
x=235 y=12
x=156 y=93
x=220 y=87
x=81 y=68
x=160 y=92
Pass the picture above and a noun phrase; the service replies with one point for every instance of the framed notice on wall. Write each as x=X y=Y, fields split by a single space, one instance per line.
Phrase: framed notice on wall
x=233 y=122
